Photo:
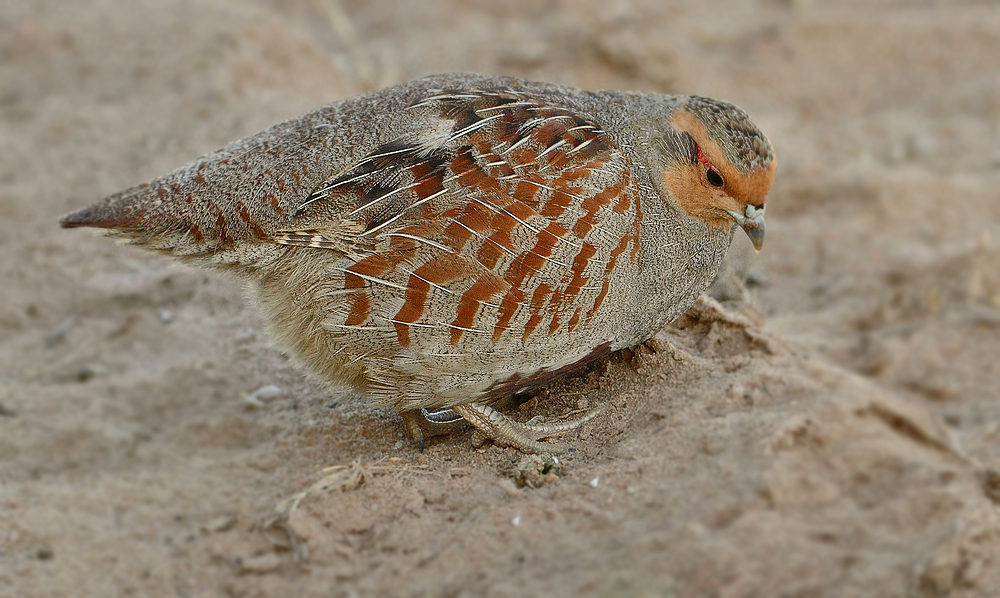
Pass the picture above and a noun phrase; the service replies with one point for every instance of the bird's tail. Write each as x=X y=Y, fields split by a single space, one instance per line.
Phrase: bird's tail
x=184 y=214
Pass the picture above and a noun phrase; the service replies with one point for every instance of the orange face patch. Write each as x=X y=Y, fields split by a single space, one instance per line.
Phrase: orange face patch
x=689 y=188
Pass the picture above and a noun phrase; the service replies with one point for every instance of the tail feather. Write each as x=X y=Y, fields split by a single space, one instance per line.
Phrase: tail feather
x=114 y=212
x=226 y=207
x=185 y=214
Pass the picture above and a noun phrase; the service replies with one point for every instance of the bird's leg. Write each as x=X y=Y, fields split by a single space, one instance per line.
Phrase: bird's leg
x=491 y=424
x=424 y=423
x=502 y=430
x=524 y=437
x=539 y=429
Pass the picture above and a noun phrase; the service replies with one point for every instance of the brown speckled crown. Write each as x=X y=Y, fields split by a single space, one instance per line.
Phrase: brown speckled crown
x=745 y=146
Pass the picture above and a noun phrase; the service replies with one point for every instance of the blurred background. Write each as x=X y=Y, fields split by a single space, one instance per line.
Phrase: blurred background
x=881 y=259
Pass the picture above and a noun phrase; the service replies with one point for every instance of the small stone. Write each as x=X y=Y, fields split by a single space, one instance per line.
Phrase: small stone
x=990 y=481
x=59 y=332
x=166 y=316
x=44 y=553
x=534 y=471
x=219 y=524
x=251 y=402
x=938 y=578
x=70 y=373
x=259 y=397
x=266 y=393
x=264 y=563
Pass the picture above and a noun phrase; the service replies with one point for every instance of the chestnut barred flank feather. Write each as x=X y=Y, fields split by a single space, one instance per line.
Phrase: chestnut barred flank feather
x=495 y=222
x=450 y=241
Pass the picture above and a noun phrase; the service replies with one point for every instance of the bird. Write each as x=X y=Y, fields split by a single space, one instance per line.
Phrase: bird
x=451 y=242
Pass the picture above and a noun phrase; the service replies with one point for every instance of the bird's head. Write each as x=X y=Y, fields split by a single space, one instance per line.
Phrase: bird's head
x=720 y=166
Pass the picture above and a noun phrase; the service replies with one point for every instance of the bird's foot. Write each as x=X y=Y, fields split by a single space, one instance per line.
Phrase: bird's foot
x=425 y=423
x=524 y=437
x=540 y=429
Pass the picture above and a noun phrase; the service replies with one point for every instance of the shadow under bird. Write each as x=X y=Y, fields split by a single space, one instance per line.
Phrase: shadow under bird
x=445 y=243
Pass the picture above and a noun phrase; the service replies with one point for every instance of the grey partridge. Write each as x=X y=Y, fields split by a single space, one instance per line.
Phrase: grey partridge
x=445 y=243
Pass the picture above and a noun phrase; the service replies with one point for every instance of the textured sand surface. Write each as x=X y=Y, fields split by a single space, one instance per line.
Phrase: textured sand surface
x=827 y=425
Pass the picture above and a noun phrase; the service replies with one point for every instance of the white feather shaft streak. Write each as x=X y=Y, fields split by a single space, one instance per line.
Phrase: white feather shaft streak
x=473 y=127
x=374 y=279
x=383 y=198
x=375 y=229
x=420 y=239
x=579 y=147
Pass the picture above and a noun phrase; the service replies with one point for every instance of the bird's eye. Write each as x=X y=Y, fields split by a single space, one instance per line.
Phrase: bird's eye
x=714 y=178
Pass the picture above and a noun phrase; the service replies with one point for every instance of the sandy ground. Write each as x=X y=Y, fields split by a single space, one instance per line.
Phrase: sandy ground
x=830 y=427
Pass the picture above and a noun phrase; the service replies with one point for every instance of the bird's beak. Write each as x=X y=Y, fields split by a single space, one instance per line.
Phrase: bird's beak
x=752 y=223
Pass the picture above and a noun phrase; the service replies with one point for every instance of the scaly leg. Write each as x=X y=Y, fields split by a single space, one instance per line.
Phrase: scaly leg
x=524 y=437
x=536 y=426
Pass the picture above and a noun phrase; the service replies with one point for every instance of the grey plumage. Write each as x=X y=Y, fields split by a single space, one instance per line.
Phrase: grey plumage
x=453 y=239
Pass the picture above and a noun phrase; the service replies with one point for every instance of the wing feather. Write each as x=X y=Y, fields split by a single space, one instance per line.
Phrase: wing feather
x=480 y=233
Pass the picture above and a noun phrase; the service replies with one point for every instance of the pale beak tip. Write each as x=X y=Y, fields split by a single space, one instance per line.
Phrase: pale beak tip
x=756 y=234
x=753 y=226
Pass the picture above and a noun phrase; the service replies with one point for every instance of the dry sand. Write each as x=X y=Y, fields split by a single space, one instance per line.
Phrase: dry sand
x=831 y=427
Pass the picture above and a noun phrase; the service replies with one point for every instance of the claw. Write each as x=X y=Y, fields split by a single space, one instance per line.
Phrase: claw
x=490 y=424
x=524 y=437
x=502 y=430
x=423 y=424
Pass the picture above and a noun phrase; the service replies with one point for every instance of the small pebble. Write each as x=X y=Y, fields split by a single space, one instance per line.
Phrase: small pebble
x=250 y=401
x=594 y=483
x=990 y=480
x=264 y=563
x=259 y=397
x=56 y=335
x=74 y=373
x=44 y=553
x=534 y=471
x=266 y=393
x=219 y=524
x=166 y=316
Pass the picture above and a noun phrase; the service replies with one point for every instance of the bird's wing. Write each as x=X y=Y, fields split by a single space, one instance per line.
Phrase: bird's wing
x=515 y=207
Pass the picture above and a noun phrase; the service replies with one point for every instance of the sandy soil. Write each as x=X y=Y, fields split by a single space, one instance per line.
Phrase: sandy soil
x=830 y=427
